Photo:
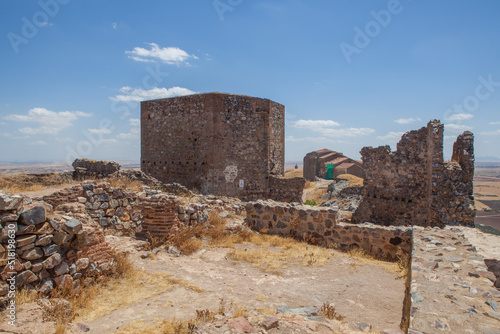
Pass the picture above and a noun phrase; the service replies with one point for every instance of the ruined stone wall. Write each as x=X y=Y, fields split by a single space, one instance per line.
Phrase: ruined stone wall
x=319 y=225
x=413 y=185
x=43 y=252
x=127 y=212
x=85 y=168
x=286 y=190
x=452 y=194
x=160 y=214
x=114 y=209
x=217 y=143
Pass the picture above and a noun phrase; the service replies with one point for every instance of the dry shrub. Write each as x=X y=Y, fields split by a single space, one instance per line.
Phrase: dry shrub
x=155 y=241
x=185 y=238
x=26 y=296
x=204 y=315
x=124 y=267
x=190 y=246
x=328 y=311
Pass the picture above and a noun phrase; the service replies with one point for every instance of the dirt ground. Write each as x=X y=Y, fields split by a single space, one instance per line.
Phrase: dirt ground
x=361 y=293
x=364 y=293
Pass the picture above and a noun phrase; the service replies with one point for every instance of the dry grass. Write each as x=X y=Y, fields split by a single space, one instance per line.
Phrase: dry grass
x=155 y=241
x=22 y=182
x=163 y=327
x=352 y=179
x=316 y=194
x=125 y=182
x=100 y=300
x=26 y=296
x=286 y=252
x=400 y=267
x=125 y=287
x=294 y=173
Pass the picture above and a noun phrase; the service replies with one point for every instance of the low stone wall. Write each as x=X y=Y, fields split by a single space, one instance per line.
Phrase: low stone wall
x=286 y=190
x=126 y=212
x=85 y=168
x=42 y=252
x=319 y=225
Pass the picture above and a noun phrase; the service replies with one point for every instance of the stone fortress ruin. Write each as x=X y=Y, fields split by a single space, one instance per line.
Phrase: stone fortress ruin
x=216 y=143
x=233 y=145
x=414 y=185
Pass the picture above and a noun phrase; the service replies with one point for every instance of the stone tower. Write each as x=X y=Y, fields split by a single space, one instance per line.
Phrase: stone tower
x=217 y=143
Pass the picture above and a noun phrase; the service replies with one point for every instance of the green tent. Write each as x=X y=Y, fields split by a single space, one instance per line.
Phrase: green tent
x=329 y=171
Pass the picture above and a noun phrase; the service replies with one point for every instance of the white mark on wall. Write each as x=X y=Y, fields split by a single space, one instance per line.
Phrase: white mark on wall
x=230 y=173
x=242 y=184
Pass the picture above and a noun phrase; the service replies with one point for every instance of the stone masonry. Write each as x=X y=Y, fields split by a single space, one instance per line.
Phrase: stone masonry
x=44 y=252
x=216 y=143
x=414 y=185
x=85 y=168
x=318 y=225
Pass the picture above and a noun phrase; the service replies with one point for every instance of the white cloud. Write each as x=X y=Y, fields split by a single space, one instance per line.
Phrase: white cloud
x=102 y=131
x=109 y=141
x=51 y=122
x=311 y=124
x=38 y=143
x=460 y=117
x=132 y=134
x=134 y=122
x=457 y=127
x=137 y=95
x=293 y=139
x=407 y=120
x=494 y=123
x=491 y=133
x=348 y=132
x=3 y=123
x=328 y=128
x=391 y=136
x=169 y=55
x=115 y=25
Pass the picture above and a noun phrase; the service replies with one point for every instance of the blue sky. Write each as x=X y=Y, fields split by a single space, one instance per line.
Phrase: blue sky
x=350 y=73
